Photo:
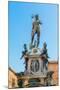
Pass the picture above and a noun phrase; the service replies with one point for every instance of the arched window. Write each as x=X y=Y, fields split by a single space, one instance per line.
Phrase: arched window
x=34 y=65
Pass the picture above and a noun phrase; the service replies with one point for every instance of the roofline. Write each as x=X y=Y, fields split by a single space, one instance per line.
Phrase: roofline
x=53 y=62
x=12 y=70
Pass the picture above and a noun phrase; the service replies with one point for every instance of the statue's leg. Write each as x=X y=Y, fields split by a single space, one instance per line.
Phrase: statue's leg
x=32 y=37
x=38 y=37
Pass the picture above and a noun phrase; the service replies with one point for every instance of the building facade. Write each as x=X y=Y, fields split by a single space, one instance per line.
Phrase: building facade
x=53 y=65
x=13 y=78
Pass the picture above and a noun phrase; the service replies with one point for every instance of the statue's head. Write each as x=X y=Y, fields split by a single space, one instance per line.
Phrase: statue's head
x=36 y=17
x=24 y=45
x=44 y=45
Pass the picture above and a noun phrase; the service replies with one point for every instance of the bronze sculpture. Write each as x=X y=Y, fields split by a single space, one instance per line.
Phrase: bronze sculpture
x=36 y=60
x=25 y=51
x=36 y=29
x=44 y=50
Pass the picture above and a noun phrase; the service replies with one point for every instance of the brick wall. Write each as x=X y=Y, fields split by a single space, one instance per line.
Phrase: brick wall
x=12 y=80
x=54 y=67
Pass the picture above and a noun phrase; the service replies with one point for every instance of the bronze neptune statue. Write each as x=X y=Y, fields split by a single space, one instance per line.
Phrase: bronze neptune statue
x=36 y=29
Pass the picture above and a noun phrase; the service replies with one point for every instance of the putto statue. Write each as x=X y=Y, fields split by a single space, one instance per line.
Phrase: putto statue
x=45 y=53
x=36 y=29
x=25 y=51
x=44 y=50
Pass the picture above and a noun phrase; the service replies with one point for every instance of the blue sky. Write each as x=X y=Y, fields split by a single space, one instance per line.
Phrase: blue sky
x=20 y=26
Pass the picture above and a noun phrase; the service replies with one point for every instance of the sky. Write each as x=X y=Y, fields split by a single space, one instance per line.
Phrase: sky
x=20 y=27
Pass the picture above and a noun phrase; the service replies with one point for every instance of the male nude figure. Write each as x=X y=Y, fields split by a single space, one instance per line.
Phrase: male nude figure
x=36 y=29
